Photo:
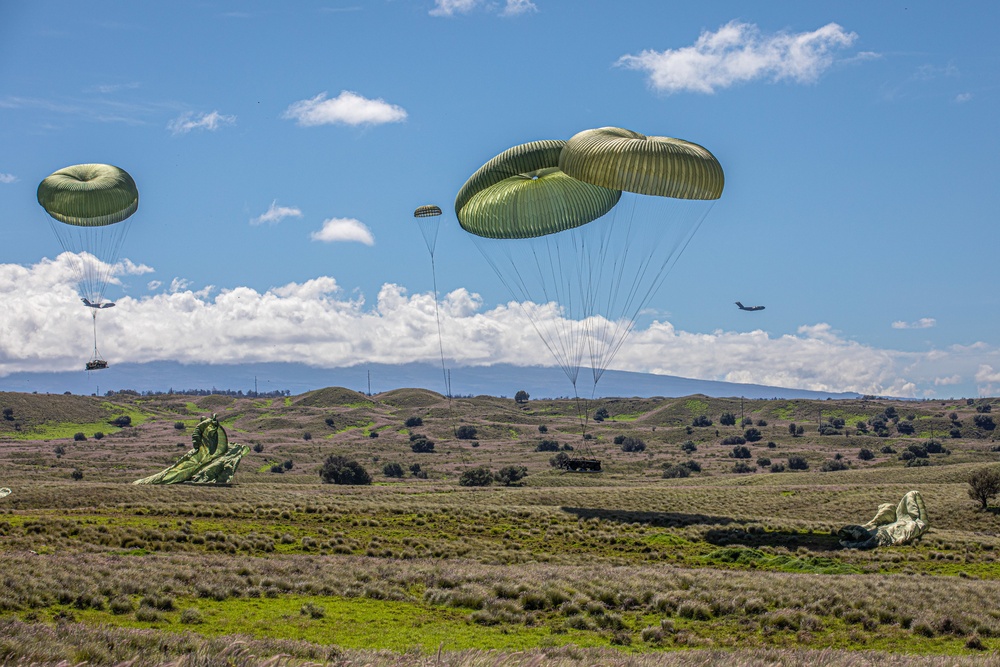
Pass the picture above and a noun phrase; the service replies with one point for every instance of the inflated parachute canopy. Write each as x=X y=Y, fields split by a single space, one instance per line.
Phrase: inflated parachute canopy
x=428 y=211
x=522 y=193
x=89 y=195
x=621 y=159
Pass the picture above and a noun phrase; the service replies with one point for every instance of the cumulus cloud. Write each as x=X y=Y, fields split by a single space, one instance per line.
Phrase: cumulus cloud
x=962 y=98
x=739 y=53
x=518 y=7
x=315 y=323
x=7 y=178
x=205 y=121
x=922 y=323
x=348 y=108
x=344 y=229
x=275 y=214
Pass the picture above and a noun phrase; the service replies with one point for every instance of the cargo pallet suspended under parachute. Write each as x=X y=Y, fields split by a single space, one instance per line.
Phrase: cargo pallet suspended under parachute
x=583 y=232
x=90 y=208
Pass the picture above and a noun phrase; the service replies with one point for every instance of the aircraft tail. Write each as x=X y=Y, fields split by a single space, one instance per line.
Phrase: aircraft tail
x=740 y=305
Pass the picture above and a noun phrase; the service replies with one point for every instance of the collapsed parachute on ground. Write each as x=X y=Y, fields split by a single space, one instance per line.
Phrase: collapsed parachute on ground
x=892 y=525
x=90 y=208
x=582 y=233
x=213 y=459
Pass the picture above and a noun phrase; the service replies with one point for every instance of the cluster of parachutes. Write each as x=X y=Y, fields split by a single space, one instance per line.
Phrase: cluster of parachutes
x=583 y=232
x=90 y=206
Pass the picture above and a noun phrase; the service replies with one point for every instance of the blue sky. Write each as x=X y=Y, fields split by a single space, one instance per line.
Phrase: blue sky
x=280 y=149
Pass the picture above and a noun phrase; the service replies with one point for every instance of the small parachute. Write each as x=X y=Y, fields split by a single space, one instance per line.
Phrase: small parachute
x=428 y=218
x=90 y=206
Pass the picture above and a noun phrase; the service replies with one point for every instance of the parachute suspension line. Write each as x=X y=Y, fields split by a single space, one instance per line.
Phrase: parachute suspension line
x=96 y=251
x=97 y=355
x=437 y=317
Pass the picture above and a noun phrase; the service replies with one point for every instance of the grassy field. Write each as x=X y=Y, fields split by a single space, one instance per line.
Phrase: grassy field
x=622 y=567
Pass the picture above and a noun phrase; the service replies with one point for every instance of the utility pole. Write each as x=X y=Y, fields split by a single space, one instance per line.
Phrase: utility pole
x=369 y=383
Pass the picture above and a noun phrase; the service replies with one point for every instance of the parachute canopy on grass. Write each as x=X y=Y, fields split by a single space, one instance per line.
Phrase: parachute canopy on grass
x=89 y=195
x=522 y=194
x=621 y=159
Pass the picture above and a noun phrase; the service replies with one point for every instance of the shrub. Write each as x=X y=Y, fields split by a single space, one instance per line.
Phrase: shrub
x=676 y=471
x=341 y=470
x=179 y=426
x=689 y=447
x=542 y=428
x=392 y=470
x=421 y=444
x=547 y=446
x=701 y=420
x=414 y=421
x=277 y=468
x=955 y=433
x=887 y=450
x=772 y=445
x=905 y=428
x=743 y=467
x=329 y=421
x=865 y=454
x=372 y=434
x=59 y=450
x=521 y=396
x=121 y=421
x=753 y=435
x=79 y=436
x=693 y=466
x=98 y=435
x=934 y=447
x=797 y=463
x=8 y=414
x=833 y=465
x=984 y=485
x=191 y=616
x=727 y=419
x=287 y=464
x=510 y=475
x=307 y=436
x=258 y=448
x=740 y=452
x=601 y=414
x=630 y=444
x=762 y=422
x=479 y=476
x=559 y=459
x=763 y=462
x=984 y=422
x=777 y=467
x=77 y=474
x=466 y=432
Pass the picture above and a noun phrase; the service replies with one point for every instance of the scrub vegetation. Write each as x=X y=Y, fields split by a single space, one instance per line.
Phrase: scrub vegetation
x=483 y=552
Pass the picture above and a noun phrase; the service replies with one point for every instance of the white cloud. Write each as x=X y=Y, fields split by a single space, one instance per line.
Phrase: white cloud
x=739 y=53
x=344 y=229
x=7 y=178
x=962 y=98
x=314 y=322
x=205 y=121
x=510 y=7
x=275 y=214
x=348 y=108
x=922 y=323
x=154 y=285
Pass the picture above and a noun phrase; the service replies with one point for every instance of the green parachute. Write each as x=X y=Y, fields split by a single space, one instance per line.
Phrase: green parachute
x=583 y=232
x=90 y=208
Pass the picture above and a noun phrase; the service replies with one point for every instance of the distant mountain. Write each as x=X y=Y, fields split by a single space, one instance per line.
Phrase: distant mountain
x=498 y=380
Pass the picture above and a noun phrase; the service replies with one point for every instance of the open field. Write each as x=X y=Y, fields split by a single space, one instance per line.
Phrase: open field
x=619 y=567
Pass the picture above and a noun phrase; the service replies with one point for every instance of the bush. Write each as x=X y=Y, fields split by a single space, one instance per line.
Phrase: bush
x=121 y=421
x=743 y=467
x=414 y=422
x=763 y=462
x=777 y=467
x=59 y=451
x=984 y=422
x=392 y=470
x=887 y=450
x=740 y=452
x=734 y=440
x=934 y=447
x=676 y=471
x=277 y=468
x=510 y=475
x=466 y=432
x=601 y=414
x=772 y=445
x=521 y=396
x=702 y=421
x=329 y=421
x=955 y=433
x=79 y=436
x=559 y=459
x=287 y=465
x=833 y=465
x=693 y=466
x=77 y=474
x=8 y=414
x=865 y=454
x=372 y=434
x=905 y=428
x=689 y=447
x=341 y=470
x=480 y=476
x=547 y=446
x=984 y=485
x=753 y=435
x=542 y=428
x=727 y=419
x=421 y=444
x=179 y=426
x=307 y=436
x=258 y=447
x=98 y=435
x=797 y=463
x=762 y=423
x=630 y=444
